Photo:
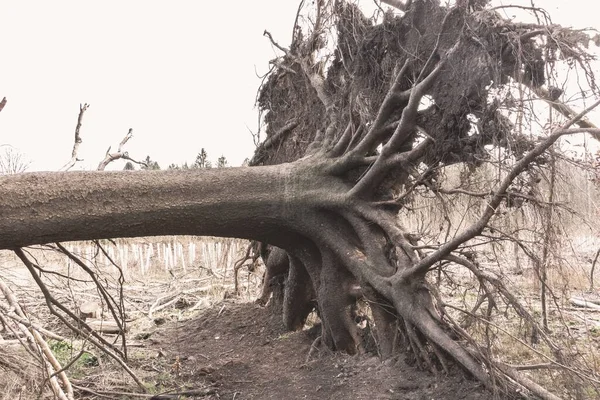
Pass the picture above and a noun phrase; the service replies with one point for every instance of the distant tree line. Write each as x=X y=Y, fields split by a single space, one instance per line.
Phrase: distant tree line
x=201 y=161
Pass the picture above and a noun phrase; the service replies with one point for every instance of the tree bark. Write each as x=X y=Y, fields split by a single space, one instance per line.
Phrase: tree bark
x=253 y=203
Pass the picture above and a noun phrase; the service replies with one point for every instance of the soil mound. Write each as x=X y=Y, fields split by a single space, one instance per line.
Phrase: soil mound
x=241 y=351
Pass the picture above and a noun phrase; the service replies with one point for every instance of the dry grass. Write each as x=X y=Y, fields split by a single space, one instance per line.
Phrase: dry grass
x=166 y=279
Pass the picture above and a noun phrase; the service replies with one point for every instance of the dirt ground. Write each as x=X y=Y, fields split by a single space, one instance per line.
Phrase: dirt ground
x=241 y=351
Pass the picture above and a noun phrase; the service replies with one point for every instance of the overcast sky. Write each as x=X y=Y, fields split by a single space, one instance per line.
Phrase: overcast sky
x=181 y=73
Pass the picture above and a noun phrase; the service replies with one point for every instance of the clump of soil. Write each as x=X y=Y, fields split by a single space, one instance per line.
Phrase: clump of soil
x=241 y=351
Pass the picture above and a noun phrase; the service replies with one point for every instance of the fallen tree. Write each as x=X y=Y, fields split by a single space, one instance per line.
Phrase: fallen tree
x=355 y=128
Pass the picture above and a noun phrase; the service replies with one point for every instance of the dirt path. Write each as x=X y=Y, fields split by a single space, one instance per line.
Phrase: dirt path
x=241 y=351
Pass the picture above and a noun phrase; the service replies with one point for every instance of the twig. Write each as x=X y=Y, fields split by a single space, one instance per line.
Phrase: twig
x=592 y=270
x=273 y=42
x=533 y=367
x=71 y=362
x=251 y=254
x=111 y=394
x=563 y=109
x=49 y=361
x=88 y=332
x=191 y=392
x=533 y=349
x=31 y=325
x=121 y=305
x=476 y=228
x=103 y=292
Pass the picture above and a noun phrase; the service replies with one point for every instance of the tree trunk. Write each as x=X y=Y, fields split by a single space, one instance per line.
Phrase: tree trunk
x=254 y=203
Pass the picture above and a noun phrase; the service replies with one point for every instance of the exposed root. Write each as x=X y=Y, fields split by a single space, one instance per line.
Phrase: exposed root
x=418 y=350
x=314 y=347
x=250 y=254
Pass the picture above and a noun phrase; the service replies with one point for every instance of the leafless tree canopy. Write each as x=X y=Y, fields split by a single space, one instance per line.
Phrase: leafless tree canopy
x=12 y=160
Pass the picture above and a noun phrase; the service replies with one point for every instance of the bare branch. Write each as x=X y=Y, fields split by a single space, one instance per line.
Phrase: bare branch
x=82 y=109
x=499 y=194
x=120 y=154
x=108 y=299
x=86 y=332
x=538 y=390
x=564 y=109
x=10 y=313
x=280 y=134
x=37 y=342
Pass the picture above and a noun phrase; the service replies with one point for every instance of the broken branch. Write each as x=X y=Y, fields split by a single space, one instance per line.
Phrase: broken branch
x=82 y=109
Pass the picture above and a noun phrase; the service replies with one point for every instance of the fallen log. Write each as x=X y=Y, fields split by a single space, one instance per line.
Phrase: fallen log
x=579 y=302
x=104 y=326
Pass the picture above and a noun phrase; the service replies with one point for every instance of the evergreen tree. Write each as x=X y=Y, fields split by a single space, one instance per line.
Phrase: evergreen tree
x=150 y=164
x=201 y=160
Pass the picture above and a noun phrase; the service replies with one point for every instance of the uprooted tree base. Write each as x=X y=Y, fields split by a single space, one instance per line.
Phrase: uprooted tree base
x=355 y=142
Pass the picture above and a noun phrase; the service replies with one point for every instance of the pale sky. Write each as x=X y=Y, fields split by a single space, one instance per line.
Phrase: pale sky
x=181 y=73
